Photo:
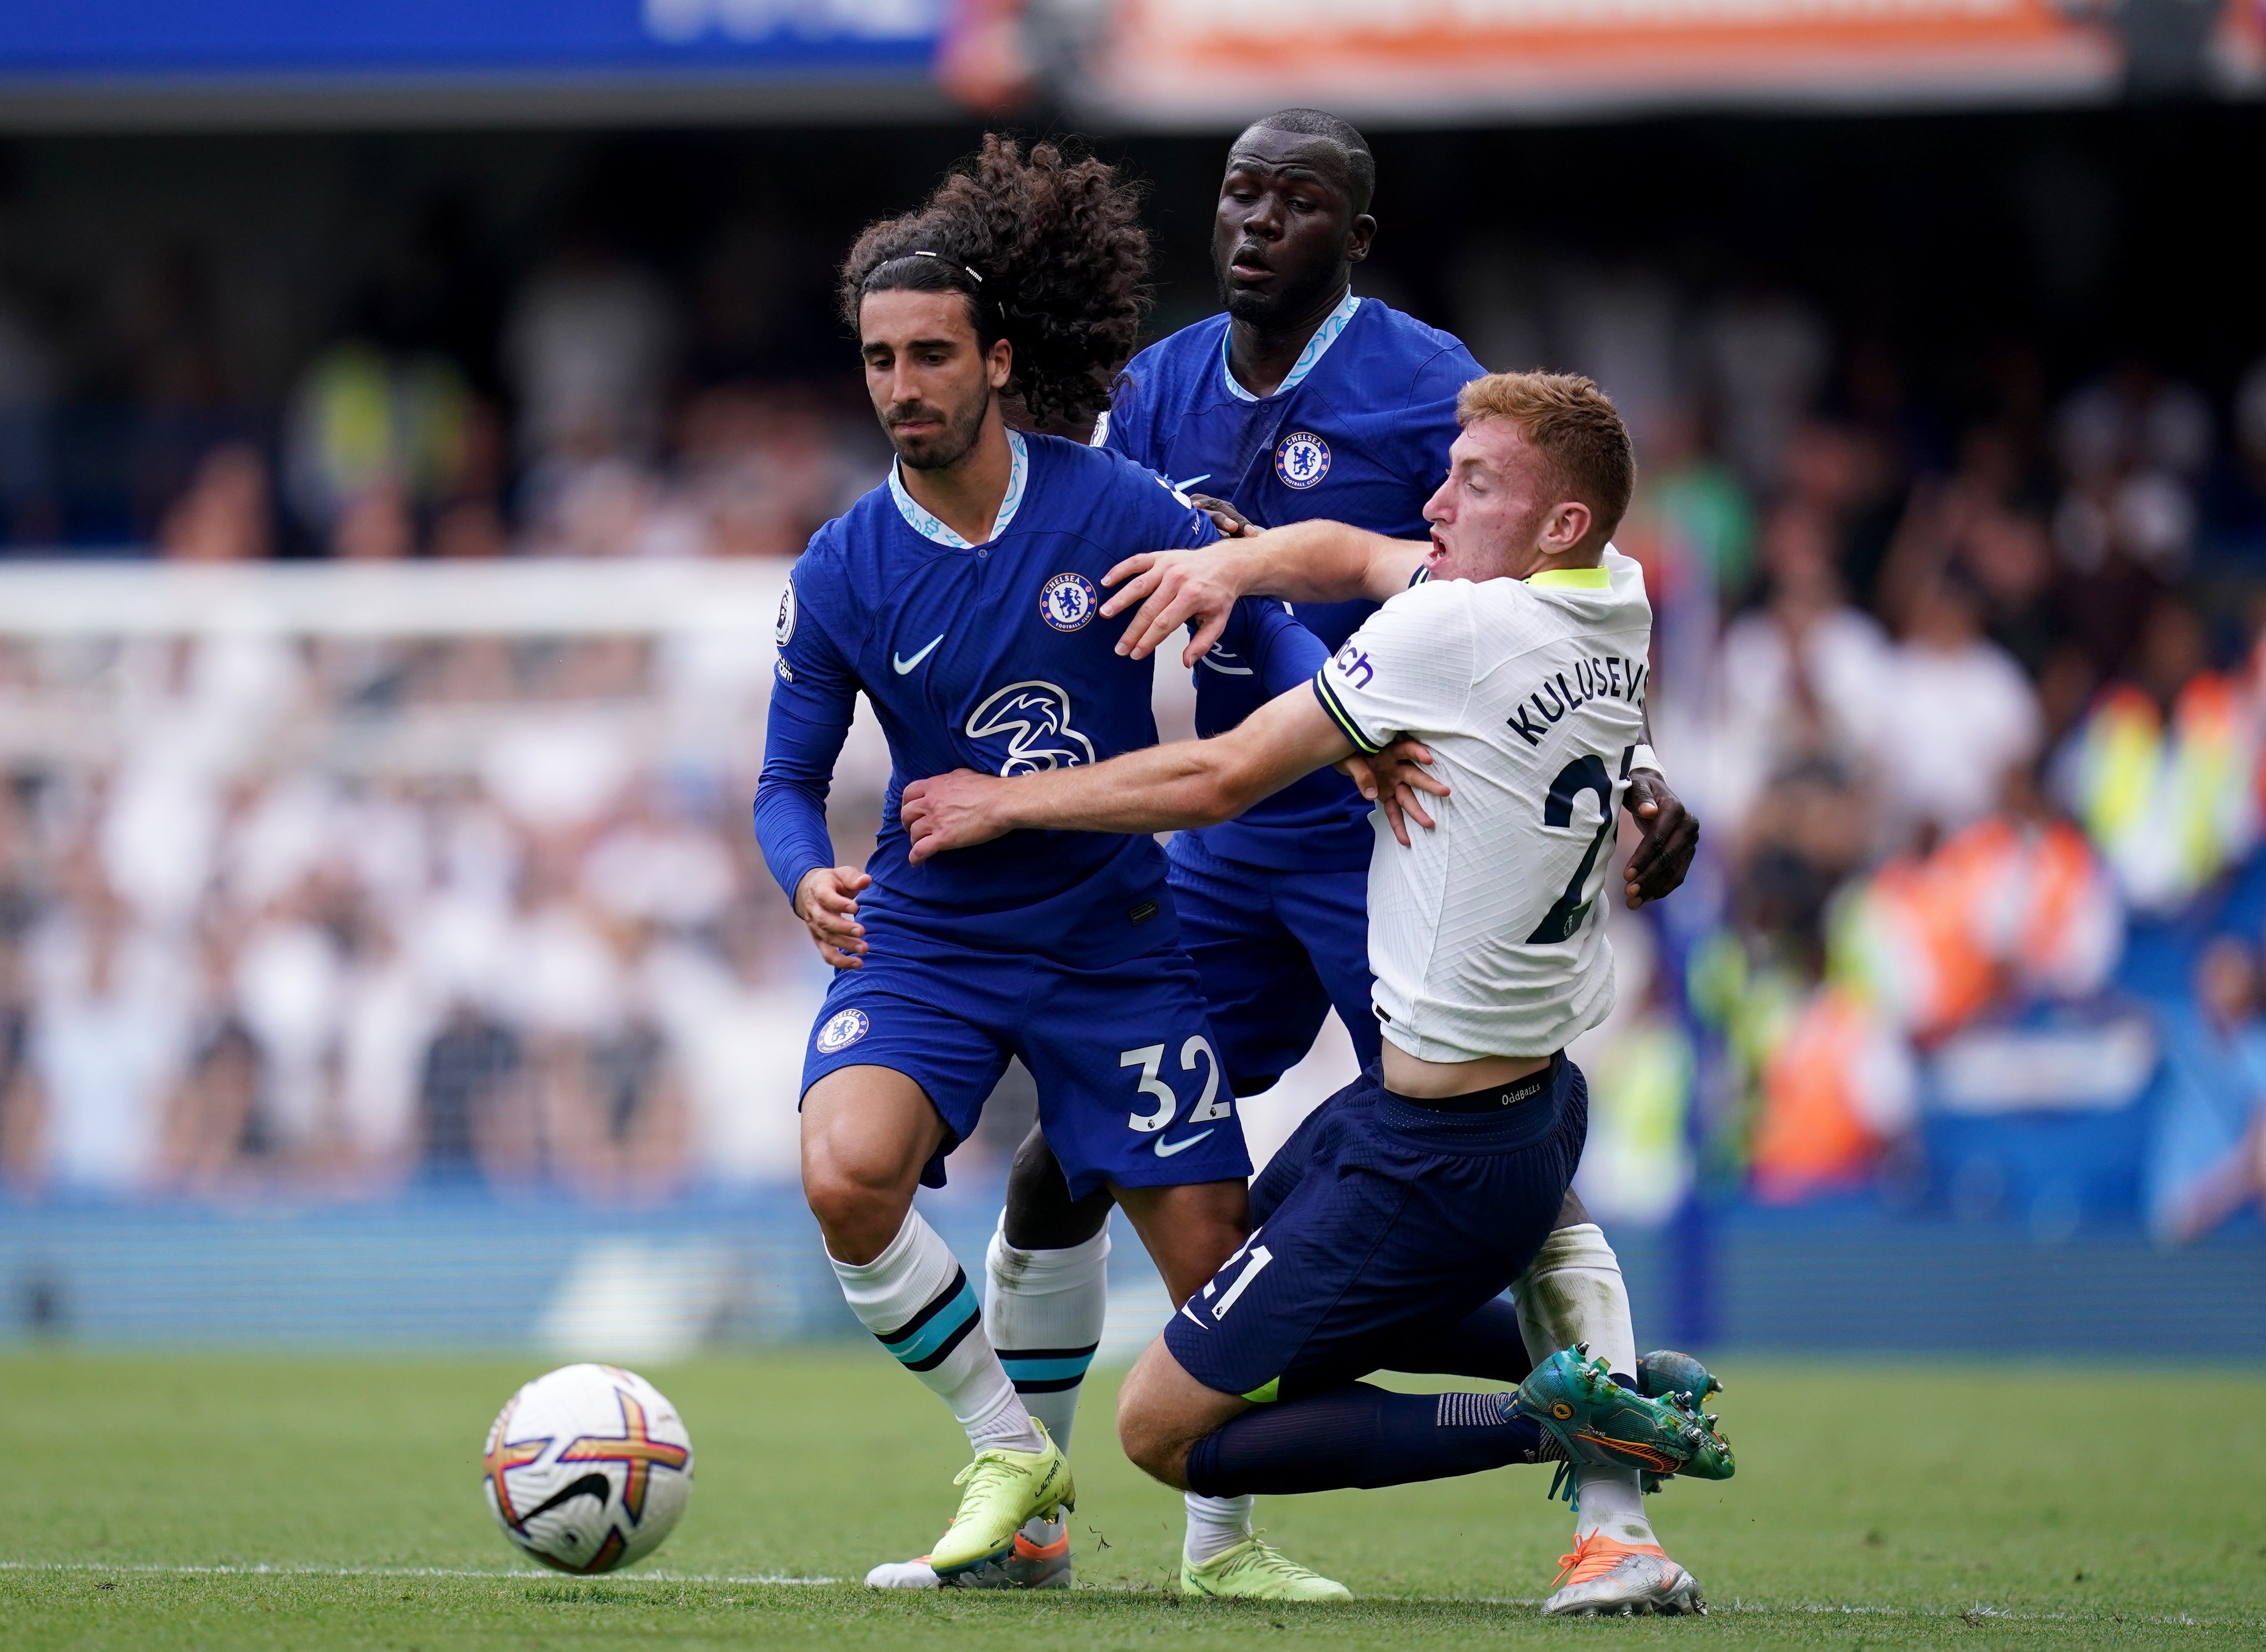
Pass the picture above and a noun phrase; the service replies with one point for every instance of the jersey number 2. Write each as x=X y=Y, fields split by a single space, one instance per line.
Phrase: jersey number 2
x=1585 y=773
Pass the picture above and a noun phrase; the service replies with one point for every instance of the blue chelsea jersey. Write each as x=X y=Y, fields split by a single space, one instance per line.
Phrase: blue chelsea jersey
x=1358 y=432
x=982 y=656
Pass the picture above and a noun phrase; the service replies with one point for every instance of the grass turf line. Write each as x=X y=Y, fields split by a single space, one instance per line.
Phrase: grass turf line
x=1990 y=1506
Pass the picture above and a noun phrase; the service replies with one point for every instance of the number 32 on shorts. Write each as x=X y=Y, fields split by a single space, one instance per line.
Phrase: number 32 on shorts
x=1150 y=1058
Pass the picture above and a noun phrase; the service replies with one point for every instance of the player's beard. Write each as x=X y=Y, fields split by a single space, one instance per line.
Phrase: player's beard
x=962 y=425
x=1270 y=312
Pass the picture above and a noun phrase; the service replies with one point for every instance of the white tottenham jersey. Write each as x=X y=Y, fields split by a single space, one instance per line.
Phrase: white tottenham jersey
x=1487 y=938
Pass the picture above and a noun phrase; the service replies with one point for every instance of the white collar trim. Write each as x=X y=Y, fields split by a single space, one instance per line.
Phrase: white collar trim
x=1325 y=336
x=929 y=527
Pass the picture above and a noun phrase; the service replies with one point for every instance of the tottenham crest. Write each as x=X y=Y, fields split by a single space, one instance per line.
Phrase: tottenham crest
x=1067 y=602
x=842 y=1030
x=1302 y=459
x=784 y=629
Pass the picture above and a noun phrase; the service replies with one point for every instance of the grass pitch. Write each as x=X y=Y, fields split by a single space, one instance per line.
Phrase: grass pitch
x=162 y=1502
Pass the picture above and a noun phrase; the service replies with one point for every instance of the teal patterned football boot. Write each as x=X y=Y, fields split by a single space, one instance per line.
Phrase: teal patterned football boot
x=1664 y=1373
x=1595 y=1420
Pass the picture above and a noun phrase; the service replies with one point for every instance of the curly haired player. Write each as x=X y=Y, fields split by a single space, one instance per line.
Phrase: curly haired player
x=959 y=597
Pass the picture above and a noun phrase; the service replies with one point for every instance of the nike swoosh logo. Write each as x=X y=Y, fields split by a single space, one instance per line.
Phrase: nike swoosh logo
x=1192 y=481
x=905 y=665
x=1166 y=1150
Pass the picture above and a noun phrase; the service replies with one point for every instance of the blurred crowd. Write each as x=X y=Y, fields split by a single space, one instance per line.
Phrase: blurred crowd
x=584 y=420
x=330 y=916
x=1958 y=703
x=1962 y=683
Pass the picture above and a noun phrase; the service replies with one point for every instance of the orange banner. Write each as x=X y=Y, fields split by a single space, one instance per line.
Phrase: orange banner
x=1201 y=61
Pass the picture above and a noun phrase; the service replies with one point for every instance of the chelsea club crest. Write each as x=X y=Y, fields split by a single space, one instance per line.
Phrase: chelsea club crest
x=1067 y=602
x=842 y=1030
x=1302 y=459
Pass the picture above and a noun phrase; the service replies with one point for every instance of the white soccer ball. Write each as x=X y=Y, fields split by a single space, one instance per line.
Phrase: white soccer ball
x=588 y=1469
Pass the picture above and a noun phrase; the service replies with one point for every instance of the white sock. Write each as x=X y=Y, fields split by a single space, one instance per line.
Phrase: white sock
x=1043 y=1310
x=1574 y=1292
x=1215 y=1524
x=918 y=1303
x=1611 y=1501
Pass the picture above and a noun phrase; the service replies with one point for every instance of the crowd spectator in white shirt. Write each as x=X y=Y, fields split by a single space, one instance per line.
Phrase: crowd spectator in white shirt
x=1960 y=713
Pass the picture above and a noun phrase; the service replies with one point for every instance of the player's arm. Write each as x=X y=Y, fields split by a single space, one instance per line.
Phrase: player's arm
x=1305 y=562
x=1288 y=656
x=810 y=715
x=1164 y=788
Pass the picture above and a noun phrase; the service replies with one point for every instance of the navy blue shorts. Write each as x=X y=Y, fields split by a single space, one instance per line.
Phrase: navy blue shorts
x=1276 y=951
x=1377 y=1219
x=1130 y=1091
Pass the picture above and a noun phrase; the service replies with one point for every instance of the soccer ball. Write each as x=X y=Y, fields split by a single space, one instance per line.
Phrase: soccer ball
x=588 y=1469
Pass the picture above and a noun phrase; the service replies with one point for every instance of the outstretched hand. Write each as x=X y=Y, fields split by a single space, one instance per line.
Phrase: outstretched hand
x=1392 y=779
x=1663 y=855
x=952 y=811
x=1172 y=588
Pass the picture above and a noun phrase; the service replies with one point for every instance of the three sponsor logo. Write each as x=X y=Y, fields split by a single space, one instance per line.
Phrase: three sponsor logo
x=1033 y=718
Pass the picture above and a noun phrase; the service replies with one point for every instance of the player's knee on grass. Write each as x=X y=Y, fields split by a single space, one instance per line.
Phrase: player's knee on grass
x=1162 y=1412
x=1041 y=1214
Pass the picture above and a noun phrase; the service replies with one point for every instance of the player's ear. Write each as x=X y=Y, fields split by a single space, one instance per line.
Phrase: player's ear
x=999 y=363
x=1567 y=526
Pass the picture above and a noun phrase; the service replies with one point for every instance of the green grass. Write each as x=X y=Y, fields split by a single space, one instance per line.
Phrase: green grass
x=1975 y=1507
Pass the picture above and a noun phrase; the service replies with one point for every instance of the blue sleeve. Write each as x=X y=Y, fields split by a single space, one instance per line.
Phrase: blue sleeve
x=1124 y=415
x=1442 y=376
x=1175 y=524
x=814 y=699
x=1115 y=436
x=1282 y=652
x=1429 y=429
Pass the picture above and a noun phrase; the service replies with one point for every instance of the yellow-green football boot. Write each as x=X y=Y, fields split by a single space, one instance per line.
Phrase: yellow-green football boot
x=1003 y=1489
x=1252 y=1571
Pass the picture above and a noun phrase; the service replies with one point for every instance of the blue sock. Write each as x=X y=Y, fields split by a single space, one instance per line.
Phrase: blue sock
x=1484 y=1345
x=1360 y=1435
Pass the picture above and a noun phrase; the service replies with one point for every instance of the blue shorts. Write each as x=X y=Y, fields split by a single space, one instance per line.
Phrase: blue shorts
x=1379 y=1218
x=1276 y=951
x=1131 y=1092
